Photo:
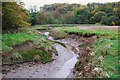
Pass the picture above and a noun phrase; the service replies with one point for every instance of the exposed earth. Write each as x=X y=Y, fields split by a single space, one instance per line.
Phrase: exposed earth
x=61 y=66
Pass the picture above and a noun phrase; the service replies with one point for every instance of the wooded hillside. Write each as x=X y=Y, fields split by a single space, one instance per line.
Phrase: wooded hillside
x=63 y=13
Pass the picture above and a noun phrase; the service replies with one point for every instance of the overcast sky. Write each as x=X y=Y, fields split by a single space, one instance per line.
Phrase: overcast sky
x=40 y=3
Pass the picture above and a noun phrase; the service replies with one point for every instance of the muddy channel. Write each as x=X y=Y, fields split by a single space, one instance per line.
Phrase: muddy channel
x=61 y=67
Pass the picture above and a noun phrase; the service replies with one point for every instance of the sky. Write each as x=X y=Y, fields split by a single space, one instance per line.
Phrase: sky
x=40 y=3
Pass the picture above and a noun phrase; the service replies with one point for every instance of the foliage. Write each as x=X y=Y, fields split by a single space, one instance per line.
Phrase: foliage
x=42 y=18
x=63 y=13
x=97 y=16
x=14 y=16
x=83 y=15
x=33 y=18
x=109 y=20
x=69 y=18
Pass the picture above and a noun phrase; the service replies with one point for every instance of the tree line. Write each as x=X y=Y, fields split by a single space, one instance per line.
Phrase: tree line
x=63 y=13
x=15 y=15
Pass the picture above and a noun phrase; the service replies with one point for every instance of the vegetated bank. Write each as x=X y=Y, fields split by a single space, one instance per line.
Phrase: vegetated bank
x=100 y=58
x=27 y=46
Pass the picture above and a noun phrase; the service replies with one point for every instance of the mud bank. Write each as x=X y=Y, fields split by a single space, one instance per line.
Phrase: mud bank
x=61 y=67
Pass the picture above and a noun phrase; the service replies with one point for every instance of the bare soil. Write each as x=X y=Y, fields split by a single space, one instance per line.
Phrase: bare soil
x=62 y=64
x=58 y=65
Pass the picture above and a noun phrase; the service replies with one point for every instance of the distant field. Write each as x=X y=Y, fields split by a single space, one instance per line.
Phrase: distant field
x=99 y=27
x=81 y=26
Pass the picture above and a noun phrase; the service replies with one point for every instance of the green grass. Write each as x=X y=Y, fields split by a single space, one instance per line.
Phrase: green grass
x=39 y=27
x=110 y=62
x=50 y=26
x=110 y=34
x=29 y=55
x=9 y=40
x=58 y=34
x=58 y=25
x=42 y=46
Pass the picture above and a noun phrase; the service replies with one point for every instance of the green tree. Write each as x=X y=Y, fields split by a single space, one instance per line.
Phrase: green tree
x=33 y=18
x=42 y=18
x=118 y=13
x=91 y=13
x=70 y=18
x=83 y=15
x=109 y=20
x=98 y=16
x=14 y=16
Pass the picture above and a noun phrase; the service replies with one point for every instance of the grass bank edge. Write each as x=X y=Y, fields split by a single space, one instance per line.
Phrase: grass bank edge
x=42 y=47
x=110 y=34
x=110 y=64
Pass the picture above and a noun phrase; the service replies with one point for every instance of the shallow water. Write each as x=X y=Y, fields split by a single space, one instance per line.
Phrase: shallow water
x=66 y=69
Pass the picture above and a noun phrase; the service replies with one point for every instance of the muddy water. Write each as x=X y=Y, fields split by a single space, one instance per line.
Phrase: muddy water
x=61 y=67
